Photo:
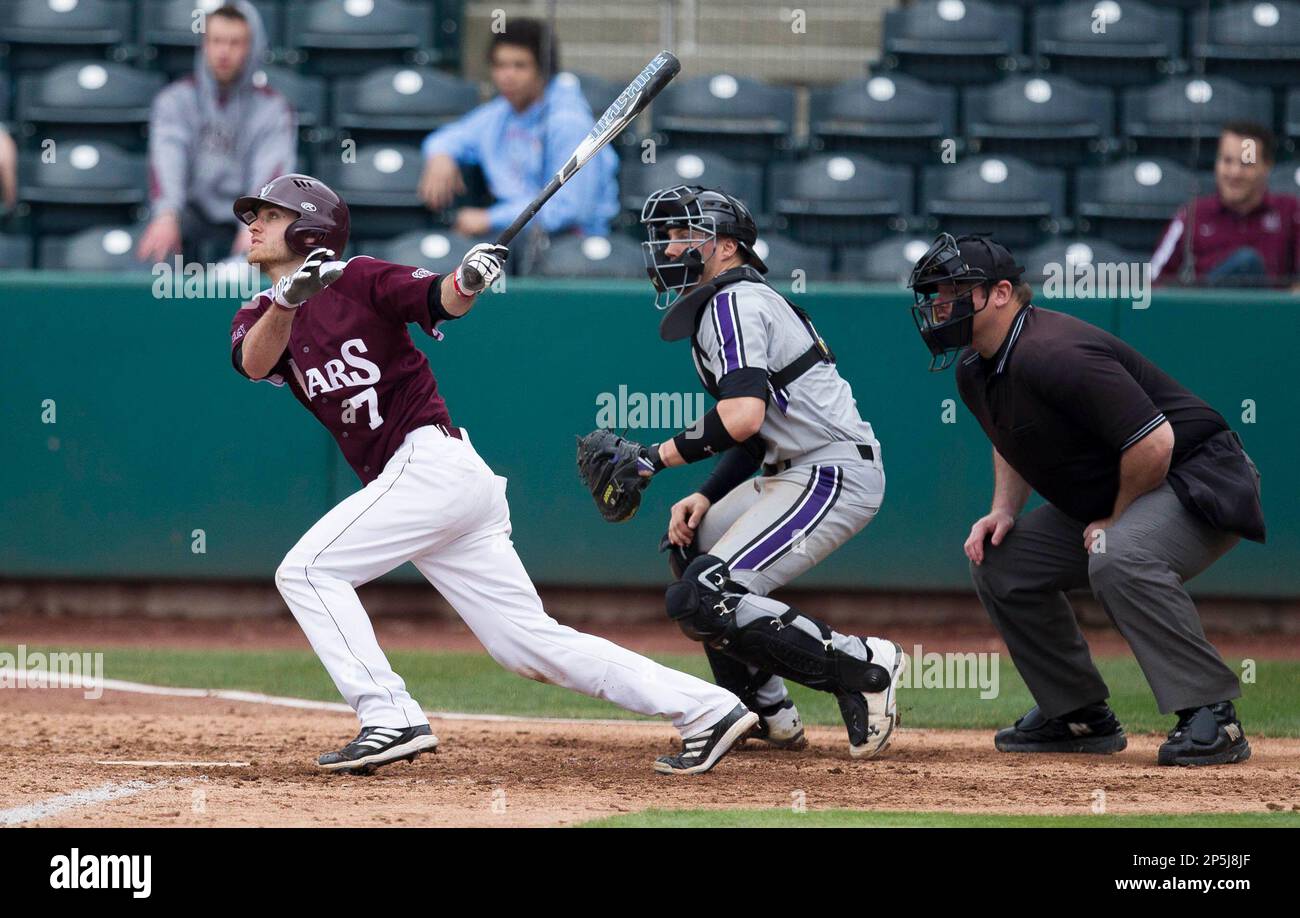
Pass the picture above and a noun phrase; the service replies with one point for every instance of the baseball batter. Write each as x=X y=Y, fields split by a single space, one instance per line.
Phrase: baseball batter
x=336 y=333
x=782 y=406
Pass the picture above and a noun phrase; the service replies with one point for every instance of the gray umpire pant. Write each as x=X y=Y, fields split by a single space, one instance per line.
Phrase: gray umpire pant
x=1150 y=551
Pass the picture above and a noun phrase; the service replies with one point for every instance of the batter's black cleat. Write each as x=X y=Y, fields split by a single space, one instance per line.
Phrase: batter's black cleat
x=1093 y=728
x=702 y=751
x=779 y=726
x=376 y=746
x=1209 y=735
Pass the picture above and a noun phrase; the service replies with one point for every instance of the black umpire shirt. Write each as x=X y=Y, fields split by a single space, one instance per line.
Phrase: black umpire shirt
x=1061 y=400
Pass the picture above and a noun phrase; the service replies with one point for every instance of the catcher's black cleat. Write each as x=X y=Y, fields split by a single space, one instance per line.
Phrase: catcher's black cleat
x=779 y=726
x=702 y=751
x=871 y=716
x=1093 y=728
x=376 y=746
x=1209 y=735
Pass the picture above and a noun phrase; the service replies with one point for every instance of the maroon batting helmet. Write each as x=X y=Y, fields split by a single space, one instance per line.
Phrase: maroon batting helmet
x=322 y=215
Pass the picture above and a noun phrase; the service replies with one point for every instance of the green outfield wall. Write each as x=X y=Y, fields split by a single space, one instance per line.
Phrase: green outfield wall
x=155 y=437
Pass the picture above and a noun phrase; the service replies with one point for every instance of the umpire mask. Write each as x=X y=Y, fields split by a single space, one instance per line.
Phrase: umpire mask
x=947 y=323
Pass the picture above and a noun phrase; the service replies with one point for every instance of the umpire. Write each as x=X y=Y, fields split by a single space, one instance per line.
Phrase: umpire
x=1145 y=487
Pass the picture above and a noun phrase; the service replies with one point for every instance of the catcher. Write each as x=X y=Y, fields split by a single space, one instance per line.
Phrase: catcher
x=781 y=406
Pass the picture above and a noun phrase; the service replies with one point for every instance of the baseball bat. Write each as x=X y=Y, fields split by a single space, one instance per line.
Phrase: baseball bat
x=630 y=103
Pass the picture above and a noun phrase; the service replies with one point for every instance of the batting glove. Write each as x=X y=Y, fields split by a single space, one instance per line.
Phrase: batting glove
x=316 y=273
x=488 y=259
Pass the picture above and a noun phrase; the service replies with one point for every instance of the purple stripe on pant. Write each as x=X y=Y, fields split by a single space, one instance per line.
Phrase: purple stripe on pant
x=792 y=527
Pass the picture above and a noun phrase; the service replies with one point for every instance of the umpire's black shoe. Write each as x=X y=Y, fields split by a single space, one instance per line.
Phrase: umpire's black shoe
x=376 y=746
x=1092 y=729
x=1211 y=735
x=702 y=751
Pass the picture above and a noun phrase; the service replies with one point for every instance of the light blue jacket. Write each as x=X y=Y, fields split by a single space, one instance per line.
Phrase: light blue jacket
x=520 y=151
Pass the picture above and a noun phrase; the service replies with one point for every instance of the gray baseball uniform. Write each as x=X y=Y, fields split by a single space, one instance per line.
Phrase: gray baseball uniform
x=823 y=477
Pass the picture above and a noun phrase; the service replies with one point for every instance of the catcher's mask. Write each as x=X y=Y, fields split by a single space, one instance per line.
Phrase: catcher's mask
x=947 y=324
x=705 y=214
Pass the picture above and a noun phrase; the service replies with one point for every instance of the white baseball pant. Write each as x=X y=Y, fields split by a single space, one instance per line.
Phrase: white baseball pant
x=438 y=505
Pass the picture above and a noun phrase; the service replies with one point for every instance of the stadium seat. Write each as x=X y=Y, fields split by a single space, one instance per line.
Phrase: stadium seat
x=1137 y=46
x=570 y=255
x=784 y=257
x=99 y=99
x=686 y=167
x=1252 y=42
x=447 y=18
x=440 y=251
x=840 y=198
x=380 y=188
x=1291 y=118
x=1004 y=195
x=1165 y=119
x=307 y=95
x=599 y=93
x=354 y=37
x=953 y=41
x=1045 y=119
x=1130 y=202
x=1059 y=255
x=167 y=31
x=41 y=33
x=15 y=252
x=738 y=117
x=100 y=248
x=400 y=104
x=83 y=183
x=1285 y=178
x=888 y=261
x=891 y=117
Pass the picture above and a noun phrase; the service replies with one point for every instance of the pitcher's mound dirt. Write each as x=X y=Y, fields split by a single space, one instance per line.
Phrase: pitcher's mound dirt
x=545 y=774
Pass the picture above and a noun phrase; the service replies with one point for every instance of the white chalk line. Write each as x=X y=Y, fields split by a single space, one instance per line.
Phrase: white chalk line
x=65 y=680
x=115 y=790
x=53 y=806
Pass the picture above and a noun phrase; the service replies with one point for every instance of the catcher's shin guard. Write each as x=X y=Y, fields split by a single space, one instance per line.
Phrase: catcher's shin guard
x=710 y=607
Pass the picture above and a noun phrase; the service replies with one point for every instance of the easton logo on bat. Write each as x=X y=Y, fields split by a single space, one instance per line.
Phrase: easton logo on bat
x=622 y=105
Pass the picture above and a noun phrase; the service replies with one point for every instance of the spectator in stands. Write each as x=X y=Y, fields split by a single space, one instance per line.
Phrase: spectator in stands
x=8 y=170
x=212 y=137
x=520 y=139
x=1245 y=235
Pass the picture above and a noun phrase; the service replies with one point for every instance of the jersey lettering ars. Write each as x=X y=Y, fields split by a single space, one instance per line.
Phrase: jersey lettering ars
x=351 y=361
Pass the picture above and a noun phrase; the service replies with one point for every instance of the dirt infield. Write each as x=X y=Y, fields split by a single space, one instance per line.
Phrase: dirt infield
x=529 y=773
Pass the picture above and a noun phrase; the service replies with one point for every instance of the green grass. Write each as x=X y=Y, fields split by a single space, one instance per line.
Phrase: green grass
x=473 y=683
x=858 y=819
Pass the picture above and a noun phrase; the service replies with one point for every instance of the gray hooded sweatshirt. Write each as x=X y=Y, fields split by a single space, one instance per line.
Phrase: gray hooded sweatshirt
x=209 y=145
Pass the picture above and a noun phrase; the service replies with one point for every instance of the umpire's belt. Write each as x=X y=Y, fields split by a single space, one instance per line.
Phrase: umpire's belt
x=829 y=454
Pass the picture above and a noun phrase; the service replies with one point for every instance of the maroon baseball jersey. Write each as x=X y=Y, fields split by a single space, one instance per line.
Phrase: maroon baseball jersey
x=1272 y=229
x=351 y=361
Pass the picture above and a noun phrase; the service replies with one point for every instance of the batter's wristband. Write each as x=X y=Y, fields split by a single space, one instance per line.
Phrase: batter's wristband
x=707 y=438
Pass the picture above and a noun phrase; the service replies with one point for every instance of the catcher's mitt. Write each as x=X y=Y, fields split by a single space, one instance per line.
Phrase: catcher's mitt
x=610 y=466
